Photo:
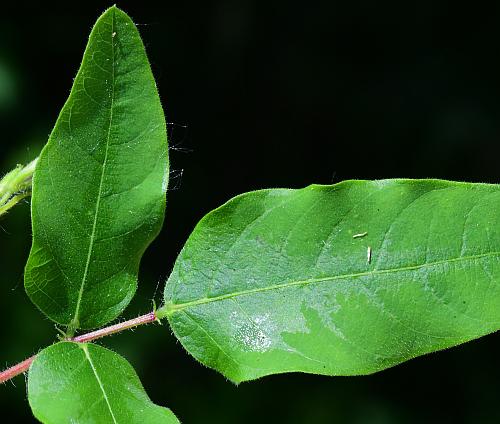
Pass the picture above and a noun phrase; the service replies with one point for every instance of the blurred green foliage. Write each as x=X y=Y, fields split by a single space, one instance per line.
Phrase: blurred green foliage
x=8 y=87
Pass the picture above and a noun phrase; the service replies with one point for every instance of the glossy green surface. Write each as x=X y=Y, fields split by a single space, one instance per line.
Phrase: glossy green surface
x=86 y=383
x=99 y=187
x=287 y=280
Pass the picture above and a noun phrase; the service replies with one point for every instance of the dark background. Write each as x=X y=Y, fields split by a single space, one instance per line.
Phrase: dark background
x=273 y=94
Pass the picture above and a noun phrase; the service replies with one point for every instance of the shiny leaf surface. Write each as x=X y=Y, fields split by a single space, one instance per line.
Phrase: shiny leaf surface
x=338 y=280
x=86 y=383
x=99 y=186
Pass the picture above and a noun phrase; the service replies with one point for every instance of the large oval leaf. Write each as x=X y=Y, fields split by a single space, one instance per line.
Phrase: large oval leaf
x=99 y=186
x=85 y=383
x=339 y=280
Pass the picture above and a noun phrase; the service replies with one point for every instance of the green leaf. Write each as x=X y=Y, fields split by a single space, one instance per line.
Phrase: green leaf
x=86 y=383
x=282 y=280
x=99 y=187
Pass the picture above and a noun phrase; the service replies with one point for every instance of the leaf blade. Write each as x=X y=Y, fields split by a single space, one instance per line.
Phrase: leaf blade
x=279 y=280
x=70 y=382
x=95 y=208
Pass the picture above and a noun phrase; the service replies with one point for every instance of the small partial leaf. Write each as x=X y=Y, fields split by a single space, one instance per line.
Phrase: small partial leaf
x=86 y=383
x=338 y=280
x=99 y=186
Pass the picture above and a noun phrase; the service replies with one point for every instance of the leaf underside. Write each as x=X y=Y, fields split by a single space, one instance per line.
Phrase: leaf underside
x=99 y=186
x=338 y=280
x=86 y=383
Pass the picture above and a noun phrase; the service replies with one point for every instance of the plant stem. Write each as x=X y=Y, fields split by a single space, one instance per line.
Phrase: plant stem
x=121 y=326
x=16 y=185
x=16 y=370
x=84 y=338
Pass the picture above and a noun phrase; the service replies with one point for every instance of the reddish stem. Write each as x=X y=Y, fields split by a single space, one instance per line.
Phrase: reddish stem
x=16 y=370
x=84 y=338
x=121 y=326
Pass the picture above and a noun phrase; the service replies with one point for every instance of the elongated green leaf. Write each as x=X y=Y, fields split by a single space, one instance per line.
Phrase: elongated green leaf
x=99 y=187
x=339 y=280
x=86 y=383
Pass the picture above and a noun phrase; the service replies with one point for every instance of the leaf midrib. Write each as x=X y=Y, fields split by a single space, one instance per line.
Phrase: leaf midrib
x=171 y=308
x=75 y=321
x=105 y=395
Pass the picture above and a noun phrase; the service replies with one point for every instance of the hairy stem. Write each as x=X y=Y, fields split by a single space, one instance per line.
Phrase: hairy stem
x=16 y=185
x=121 y=326
x=84 y=338
x=16 y=370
